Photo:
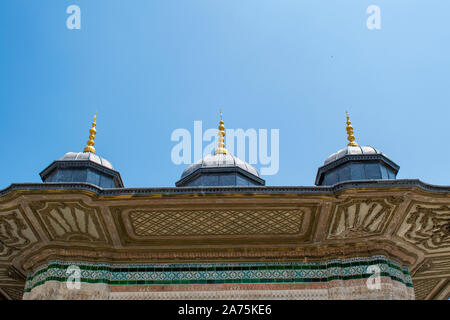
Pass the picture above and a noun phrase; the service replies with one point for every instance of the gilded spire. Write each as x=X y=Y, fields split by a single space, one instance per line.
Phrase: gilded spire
x=91 y=142
x=221 y=148
x=349 y=129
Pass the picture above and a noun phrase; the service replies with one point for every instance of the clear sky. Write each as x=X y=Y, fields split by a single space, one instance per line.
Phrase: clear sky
x=151 y=66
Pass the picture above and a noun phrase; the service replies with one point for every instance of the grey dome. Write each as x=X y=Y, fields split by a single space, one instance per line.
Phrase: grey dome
x=219 y=161
x=220 y=170
x=356 y=163
x=350 y=150
x=82 y=167
x=83 y=156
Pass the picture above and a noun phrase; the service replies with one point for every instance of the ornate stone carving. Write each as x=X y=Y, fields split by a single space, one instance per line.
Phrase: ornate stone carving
x=427 y=226
x=14 y=274
x=216 y=222
x=361 y=218
x=15 y=233
x=10 y=275
x=71 y=221
x=436 y=267
x=13 y=292
x=4 y=274
x=423 y=288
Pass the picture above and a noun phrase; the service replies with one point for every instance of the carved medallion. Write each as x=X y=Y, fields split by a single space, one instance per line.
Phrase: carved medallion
x=427 y=226
x=15 y=233
x=358 y=218
x=71 y=221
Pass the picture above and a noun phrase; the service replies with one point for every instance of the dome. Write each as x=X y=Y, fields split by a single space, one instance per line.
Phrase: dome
x=220 y=161
x=352 y=150
x=83 y=167
x=86 y=156
x=220 y=169
x=355 y=163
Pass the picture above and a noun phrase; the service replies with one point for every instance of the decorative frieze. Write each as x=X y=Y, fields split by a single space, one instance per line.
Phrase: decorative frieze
x=217 y=222
x=16 y=234
x=13 y=292
x=427 y=226
x=71 y=221
x=359 y=218
x=330 y=276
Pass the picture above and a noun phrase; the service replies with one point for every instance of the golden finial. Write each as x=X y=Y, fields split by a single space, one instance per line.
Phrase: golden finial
x=349 y=129
x=221 y=148
x=91 y=142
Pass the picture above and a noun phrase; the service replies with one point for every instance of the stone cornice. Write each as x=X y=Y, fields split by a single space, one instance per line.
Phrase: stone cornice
x=400 y=183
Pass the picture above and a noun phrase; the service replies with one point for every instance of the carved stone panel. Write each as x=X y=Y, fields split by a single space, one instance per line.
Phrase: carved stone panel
x=9 y=274
x=149 y=224
x=16 y=233
x=216 y=222
x=13 y=292
x=4 y=274
x=433 y=267
x=71 y=222
x=358 y=218
x=422 y=288
x=427 y=226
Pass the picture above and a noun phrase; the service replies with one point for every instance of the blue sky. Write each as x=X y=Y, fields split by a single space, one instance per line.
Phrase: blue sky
x=151 y=66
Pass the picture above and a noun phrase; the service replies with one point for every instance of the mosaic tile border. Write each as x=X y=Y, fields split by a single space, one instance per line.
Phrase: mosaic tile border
x=225 y=273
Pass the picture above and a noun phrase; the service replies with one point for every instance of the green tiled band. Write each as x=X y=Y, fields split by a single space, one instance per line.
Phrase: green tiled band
x=158 y=274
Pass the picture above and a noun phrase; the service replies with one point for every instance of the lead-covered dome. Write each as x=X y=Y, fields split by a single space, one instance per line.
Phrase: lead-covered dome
x=356 y=162
x=352 y=150
x=86 y=156
x=83 y=167
x=220 y=161
x=220 y=169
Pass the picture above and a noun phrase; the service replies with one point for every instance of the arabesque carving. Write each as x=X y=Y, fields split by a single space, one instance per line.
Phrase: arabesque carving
x=71 y=221
x=427 y=226
x=15 y=233
x=361 y=217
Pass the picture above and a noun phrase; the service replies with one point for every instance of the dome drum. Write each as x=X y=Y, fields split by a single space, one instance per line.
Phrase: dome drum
x=220 y=169
x=355 y=163
x=219 y=176
x=350 y=167
x=83 y=167
x=73 y=168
